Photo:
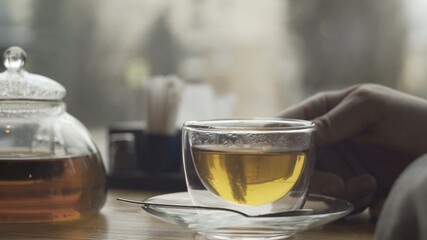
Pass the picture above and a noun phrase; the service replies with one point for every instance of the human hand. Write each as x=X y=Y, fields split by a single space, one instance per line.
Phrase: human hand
x=366 y=135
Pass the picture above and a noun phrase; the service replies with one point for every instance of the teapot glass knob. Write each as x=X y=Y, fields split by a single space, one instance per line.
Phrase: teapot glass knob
x=14 y=58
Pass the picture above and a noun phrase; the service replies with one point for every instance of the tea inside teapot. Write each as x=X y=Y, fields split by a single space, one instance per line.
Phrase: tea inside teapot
x=50 y=189
x=50 y=169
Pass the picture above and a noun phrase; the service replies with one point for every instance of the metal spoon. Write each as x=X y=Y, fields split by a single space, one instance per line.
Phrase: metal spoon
x=293 y=213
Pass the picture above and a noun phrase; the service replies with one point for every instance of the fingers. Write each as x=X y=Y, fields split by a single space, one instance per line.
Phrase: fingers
x=376 y=208
x=316 y=105
x=348 y=118
x=329 y=109
x=343 y=158
x=339 y=115
x=359 y=190
x=326 y=183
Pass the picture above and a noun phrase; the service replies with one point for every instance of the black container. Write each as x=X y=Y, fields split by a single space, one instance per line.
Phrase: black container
x=154 y=163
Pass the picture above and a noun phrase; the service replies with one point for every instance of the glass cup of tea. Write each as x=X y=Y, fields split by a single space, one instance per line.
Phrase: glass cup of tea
x=254 y=165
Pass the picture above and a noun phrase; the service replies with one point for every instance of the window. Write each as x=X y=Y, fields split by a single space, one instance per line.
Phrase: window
x=266 y=54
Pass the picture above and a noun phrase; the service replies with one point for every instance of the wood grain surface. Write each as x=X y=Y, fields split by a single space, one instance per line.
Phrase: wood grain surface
x=121 y=221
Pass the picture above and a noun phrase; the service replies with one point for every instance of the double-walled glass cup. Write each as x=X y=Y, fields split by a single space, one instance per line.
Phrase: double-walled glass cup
x=257 y=166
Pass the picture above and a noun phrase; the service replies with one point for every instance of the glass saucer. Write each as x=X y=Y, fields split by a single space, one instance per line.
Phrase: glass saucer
x=224 y=225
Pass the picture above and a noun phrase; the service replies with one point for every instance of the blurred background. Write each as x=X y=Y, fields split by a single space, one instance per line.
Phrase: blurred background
x=260 y=55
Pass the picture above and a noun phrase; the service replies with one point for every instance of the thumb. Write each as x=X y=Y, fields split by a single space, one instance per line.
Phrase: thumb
x=350 y=117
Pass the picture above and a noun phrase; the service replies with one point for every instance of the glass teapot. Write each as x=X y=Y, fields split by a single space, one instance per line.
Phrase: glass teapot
x=50 y=169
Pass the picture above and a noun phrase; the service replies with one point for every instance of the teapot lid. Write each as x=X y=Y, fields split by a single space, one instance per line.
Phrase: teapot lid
x=18 y=84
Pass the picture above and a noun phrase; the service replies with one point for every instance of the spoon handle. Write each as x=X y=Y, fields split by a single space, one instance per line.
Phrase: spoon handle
x=144 y=204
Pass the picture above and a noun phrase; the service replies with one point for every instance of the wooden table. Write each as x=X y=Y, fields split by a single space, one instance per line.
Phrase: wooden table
x=120 y=221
